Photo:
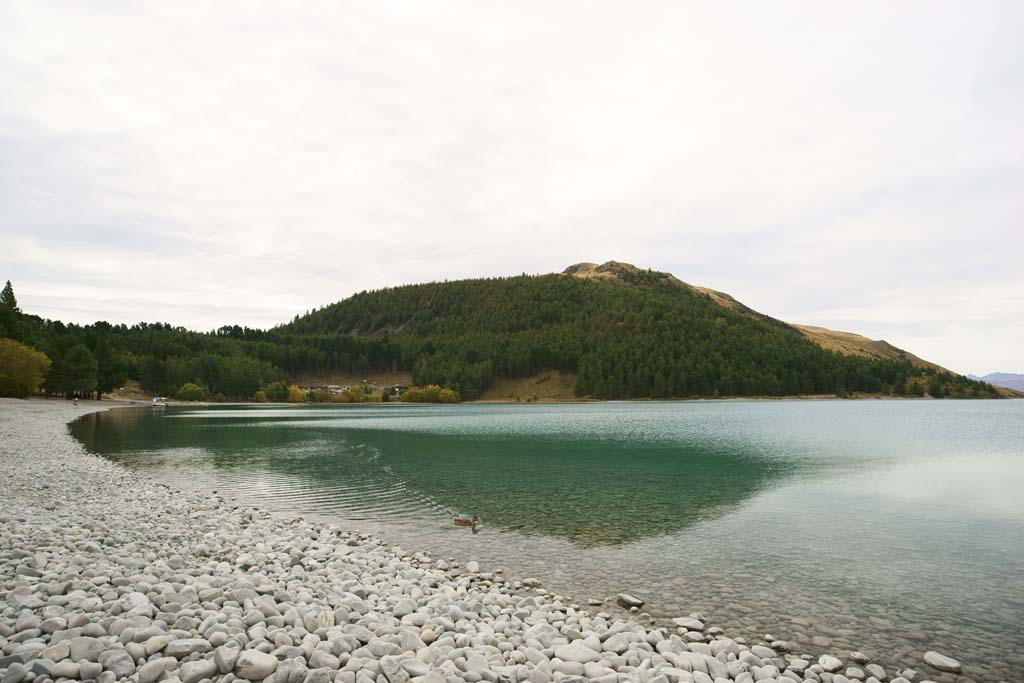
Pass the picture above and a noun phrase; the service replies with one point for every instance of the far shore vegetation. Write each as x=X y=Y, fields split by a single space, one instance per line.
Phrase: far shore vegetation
x=486 y=339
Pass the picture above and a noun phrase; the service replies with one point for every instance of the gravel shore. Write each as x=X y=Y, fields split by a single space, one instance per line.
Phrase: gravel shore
x=106 y=575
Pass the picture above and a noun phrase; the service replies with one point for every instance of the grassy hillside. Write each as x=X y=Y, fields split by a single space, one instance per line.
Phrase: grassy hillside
x=544 y=387
x=858 y=345
x=847 y=343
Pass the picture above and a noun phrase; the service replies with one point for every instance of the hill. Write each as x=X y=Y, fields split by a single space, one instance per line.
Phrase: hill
x=623 y=331
x=1007 y=380
x=610 y=331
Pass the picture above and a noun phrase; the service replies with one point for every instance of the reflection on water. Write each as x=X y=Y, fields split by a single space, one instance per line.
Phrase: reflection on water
x=882 y=525
x=591 y=489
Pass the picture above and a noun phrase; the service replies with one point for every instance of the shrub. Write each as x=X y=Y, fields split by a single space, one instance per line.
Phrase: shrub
x=22 y=369
x=431 y=394
x=260 y=396
x=357 y=394
x=296 y=395
x=277 y=392
x=190 y=392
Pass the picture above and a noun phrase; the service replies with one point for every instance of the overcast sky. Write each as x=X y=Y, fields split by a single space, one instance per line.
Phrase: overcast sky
x=853 y=165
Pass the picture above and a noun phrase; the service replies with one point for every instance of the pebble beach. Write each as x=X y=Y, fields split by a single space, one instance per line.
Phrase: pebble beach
x=108 y=575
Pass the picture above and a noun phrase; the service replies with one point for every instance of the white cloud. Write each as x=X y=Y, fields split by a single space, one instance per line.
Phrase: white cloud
x=854 y=166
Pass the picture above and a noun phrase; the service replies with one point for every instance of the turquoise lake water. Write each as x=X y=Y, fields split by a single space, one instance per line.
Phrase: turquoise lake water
x=887 y=526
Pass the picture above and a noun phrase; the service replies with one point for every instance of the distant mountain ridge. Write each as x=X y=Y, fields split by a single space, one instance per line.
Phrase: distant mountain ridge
x=1007 y=380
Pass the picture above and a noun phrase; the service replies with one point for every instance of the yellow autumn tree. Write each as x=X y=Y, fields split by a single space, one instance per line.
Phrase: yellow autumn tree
x=431 y=393
x=296 y=395
x=22 y=369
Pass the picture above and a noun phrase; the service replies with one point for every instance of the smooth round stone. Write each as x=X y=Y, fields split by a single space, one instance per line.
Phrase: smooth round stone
x=193 y=672
x=65 y=669
x=90 y=670
x=799 y=665
x=156 y=644
x=94 y=630
x=415 y=667
x=183 y=647
x=40 y=667
x=323 y=660
x=87 y=648
x=254 y=665
x=27 y=621
x=877 y=671
x=942 y=662
x=57 y=652
x=16 y=673
x=150 y=672
x=829 y=663
x=136 y=651
x=477 y=663
x=118 y=662
x=576 y=652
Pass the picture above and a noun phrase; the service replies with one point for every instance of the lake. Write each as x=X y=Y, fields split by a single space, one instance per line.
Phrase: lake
x=888 y=526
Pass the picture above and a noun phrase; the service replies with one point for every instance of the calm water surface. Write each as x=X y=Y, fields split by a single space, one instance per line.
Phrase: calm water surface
x=887 y=526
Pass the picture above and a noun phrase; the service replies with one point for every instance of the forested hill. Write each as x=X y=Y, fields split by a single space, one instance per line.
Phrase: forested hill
x=622 y=331
x=625 y=333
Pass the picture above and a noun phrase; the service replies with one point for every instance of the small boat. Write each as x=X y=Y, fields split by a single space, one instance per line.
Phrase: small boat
x=467 y=521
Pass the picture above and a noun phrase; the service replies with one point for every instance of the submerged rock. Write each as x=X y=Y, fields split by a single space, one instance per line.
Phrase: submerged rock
x=942 y=662
x=627 y=600
x=689 y=623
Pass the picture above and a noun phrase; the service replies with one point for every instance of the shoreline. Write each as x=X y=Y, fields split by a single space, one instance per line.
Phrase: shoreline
x=154 y=584
x=138 y=403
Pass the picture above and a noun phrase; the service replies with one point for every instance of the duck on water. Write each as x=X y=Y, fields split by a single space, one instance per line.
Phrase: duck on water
x=471 y=522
